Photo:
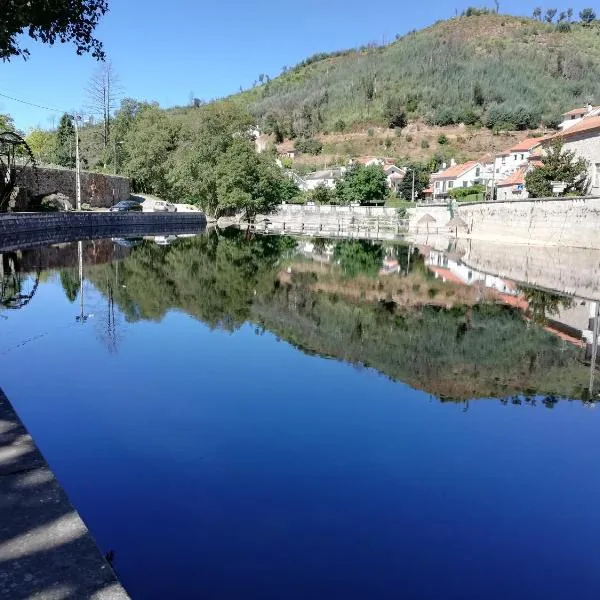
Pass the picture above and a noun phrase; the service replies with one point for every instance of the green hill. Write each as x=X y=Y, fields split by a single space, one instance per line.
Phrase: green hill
x=497 y=70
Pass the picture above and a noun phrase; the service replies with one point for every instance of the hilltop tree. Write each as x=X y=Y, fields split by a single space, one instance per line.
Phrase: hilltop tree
x=65 y=142
x=587 y=16
x=558 y=165
x=364 y=185
x=569 y=14
x=48 y=22
x=550 y=14
x=537 y=13
x=394 y=113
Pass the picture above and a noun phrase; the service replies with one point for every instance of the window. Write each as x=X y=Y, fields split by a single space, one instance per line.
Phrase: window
x=450 y=184
x=522 y=157
x=504 y=160
x=516 y=156
x=465 y=184
x=437 y=185
x=477 y=172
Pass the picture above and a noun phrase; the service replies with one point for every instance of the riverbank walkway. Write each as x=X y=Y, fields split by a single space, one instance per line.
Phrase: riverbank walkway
x=46 y=551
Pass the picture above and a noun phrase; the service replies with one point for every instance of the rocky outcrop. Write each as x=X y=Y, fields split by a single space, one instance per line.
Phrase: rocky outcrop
x=55 y=203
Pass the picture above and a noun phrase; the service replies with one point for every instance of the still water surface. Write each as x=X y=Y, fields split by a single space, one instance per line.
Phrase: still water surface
x=273 y=418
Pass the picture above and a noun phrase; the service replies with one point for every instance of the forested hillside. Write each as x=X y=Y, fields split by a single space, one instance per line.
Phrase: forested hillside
x=497 y=70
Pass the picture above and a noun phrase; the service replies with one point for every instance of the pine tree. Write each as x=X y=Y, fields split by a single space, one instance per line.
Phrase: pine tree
x=65 y=142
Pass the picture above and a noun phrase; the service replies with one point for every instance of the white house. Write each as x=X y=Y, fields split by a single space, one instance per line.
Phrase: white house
x=584 y=139
x=513 y=187
x=463 y=175
x=575 y=116
x=326 y=178
x=394 y=176
x=514 y=159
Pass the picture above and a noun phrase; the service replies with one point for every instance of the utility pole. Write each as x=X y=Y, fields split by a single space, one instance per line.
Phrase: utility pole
x=412 y=195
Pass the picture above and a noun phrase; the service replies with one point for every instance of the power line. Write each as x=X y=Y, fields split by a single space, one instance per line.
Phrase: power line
x=32 y=104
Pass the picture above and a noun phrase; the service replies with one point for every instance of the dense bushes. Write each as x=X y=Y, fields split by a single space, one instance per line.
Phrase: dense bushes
x=308 y=146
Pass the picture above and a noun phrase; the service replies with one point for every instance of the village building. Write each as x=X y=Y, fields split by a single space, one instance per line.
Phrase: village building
x=584 y=140
x=513 y=187
x=456 y=176
x=325 y=178
x=575 y=116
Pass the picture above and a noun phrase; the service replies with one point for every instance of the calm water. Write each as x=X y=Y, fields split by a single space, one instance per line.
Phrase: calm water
x=270 y=418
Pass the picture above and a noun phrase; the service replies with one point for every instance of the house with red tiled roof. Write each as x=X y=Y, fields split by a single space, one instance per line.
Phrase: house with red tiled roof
x=514 y=159
x=455 y=176
x=573 y=117
x=513 y=187
x=583 y=139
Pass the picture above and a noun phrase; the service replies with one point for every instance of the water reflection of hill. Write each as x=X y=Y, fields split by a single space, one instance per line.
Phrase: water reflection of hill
x=368 y=305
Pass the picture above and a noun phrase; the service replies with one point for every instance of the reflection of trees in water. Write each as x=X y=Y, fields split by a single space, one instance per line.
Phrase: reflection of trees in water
x=70 y=284
x=544 y=304
x=13 y=292
x=456 y=353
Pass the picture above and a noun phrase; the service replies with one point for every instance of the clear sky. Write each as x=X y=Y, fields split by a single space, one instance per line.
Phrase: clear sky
x=167 y=51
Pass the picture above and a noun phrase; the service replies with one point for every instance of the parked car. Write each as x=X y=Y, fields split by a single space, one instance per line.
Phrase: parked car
x=164 y=206
x=126 y=206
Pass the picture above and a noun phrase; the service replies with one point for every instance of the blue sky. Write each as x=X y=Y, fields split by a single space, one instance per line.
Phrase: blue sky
x=168 y=51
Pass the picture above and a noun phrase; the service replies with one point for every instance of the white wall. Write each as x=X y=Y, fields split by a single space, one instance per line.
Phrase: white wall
x=588 y=147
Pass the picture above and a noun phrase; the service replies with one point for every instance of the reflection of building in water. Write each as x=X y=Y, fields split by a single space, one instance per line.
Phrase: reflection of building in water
x=447 y=266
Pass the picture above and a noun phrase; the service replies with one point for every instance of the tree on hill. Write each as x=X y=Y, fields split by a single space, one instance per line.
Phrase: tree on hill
x=363 y=185
x=394 y=113
x=65 y=142
x=42 y=144
x=537 y=13
x=587 y=16
x=50 y=21
x=558 y=165
x=102 y=94
x=550 y=14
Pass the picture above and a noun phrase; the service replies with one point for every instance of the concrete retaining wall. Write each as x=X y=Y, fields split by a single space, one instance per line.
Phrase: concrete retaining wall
x=97 y=190
x=30 y=230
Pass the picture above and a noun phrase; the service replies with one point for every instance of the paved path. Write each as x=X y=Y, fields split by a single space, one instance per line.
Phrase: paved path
x=46 y=551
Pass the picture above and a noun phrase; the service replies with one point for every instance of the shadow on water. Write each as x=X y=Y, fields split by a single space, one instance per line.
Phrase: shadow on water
x=416 y=315
x=45 y=549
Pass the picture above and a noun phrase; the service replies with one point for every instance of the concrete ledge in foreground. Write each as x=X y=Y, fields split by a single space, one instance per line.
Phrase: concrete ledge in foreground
x=46 y=551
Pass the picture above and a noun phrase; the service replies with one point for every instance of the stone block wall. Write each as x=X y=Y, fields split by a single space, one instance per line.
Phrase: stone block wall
x=97 y=189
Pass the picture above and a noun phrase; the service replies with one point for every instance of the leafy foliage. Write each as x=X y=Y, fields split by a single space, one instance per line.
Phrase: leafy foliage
x=51 y=21
x=422 y=175
x=308 y=146
x=558 y=165
x=363 y=185
x=65 y=142
x=394 y=113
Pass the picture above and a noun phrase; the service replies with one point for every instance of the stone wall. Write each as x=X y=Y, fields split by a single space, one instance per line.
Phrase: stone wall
x=97 y=190
x=31 y=230
x=351 y=221
x=550 y=221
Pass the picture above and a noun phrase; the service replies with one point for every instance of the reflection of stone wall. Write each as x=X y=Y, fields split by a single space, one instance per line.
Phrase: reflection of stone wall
x=97 y=189
x=572 y=271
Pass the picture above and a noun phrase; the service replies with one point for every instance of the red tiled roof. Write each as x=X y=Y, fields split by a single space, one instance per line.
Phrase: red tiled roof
x=455 y=171
x=575 y=111
x=588 y=124
x=527 y=145
x=517 y=178
x=428 y=190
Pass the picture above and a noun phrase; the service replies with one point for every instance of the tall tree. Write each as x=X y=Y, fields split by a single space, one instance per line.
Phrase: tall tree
x=103 y=94
x=558 y=165
x=49 y=21
x=550 y=14
x=569 y=14
x=6 y=123
x=364 y=185
x=42 y=144
x=537 y=13
x=587 y=16
x=65 y=142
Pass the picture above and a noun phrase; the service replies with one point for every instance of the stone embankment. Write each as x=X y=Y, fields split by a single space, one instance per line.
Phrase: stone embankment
x=97 y=189
x=46 y=551
x=547 y=222
x=27 y=230
x=334 y=221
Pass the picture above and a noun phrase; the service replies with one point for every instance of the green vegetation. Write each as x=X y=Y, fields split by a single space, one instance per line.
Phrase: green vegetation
x=362 y=185
x=65 y=142
x=50 y=21
x=422 y=175
x=308 y=146
x=561 y=166
x=498 y=70
x=468 y=194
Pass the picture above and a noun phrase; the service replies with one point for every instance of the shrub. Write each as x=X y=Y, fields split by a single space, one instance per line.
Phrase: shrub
x=340 y=126
x=409 y=138
x=370 y=132
x=308 y=146
x=388 y=143
x=442 y=140
x=424 y=144
x=394 y=113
